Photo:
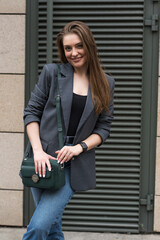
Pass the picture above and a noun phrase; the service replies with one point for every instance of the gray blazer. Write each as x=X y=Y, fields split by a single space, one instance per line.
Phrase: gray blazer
x=42 y=109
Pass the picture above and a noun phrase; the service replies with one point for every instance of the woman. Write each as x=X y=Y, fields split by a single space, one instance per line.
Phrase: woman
x=87 y=112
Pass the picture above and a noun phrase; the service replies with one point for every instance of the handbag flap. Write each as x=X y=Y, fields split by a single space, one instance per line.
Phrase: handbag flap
x=28 y=169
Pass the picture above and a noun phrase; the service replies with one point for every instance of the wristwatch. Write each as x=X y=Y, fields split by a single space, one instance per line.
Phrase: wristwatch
x=84 y=146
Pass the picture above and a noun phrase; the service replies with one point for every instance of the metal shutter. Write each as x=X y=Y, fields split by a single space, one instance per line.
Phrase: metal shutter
x=118 y=30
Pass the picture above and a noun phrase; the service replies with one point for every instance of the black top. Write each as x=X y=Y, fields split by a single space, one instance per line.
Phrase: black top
x=78 y=104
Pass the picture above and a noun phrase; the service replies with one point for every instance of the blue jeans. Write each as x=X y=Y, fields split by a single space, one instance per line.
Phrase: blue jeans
x=46 y=222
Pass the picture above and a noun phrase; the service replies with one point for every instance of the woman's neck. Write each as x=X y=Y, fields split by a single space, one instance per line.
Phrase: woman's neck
x=80 y=83
x=82 y=71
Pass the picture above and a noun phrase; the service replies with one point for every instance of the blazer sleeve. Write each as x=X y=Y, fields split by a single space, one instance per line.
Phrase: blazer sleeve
x=103 y=124
x=38 y=99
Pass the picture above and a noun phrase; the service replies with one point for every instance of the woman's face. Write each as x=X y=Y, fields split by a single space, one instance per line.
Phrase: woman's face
x=74 y=50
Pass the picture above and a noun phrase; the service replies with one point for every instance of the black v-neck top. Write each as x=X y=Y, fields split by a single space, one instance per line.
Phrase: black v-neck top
x=78 y=104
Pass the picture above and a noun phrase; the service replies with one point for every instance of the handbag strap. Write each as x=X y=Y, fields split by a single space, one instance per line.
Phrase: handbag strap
x=59 y=119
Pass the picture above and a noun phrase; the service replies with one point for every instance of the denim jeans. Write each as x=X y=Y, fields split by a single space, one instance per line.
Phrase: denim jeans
x=46 y=222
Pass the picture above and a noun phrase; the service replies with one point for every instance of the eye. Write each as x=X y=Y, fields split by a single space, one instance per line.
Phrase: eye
x=68 y=48
x=79 y=46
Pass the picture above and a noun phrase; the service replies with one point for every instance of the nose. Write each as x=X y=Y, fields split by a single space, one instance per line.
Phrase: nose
x=74 y=52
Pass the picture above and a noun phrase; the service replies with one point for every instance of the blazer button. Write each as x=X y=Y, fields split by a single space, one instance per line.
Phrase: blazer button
x=73 y=158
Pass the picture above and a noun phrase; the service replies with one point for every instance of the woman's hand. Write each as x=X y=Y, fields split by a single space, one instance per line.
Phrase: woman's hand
x=41 y=159
x=67 y=152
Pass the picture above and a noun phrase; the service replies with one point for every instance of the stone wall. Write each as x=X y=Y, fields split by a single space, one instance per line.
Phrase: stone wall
x=12 y=70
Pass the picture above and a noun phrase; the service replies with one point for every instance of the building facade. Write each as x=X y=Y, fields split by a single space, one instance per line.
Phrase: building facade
x=14 y=39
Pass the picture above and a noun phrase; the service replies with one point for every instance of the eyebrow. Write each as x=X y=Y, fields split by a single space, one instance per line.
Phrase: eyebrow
x=75 y=44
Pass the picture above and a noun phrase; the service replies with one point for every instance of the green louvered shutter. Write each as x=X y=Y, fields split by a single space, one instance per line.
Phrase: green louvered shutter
x=118 y=28
x=118 y=31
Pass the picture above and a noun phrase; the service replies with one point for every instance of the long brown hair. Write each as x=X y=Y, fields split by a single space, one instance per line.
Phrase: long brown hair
x=97 y=79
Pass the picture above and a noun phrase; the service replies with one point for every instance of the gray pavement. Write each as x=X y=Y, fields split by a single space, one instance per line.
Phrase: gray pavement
x=17 y=233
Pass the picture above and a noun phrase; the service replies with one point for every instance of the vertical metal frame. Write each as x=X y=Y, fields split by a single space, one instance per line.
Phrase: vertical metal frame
x=49 y=30
x=31 y=57
x=149 y=118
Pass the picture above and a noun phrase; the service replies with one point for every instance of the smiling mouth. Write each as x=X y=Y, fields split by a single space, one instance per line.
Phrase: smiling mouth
x=76 y=59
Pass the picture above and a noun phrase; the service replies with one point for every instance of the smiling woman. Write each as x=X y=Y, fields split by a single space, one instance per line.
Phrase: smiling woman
x=75 y=52
x=87 y=110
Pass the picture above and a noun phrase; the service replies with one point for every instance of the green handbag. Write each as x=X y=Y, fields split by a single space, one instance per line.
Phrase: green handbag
x=55 y=178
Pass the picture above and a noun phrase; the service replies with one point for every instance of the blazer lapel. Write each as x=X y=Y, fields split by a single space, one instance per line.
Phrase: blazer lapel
x=66 y=92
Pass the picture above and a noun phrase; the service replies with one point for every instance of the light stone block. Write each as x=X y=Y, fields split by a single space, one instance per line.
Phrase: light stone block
x=11 y=208
x=12 y=44
x=157 y=214
x=11 y=103
x=10 y=6
x=158 y=109
x=11 y=154
x=157 y=180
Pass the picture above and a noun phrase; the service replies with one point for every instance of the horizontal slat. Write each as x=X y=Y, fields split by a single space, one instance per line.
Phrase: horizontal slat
x=116 y=157
x=109 y=2
x=100 y=223
x=103 y=165
x=120 y=146
x=104 y=208
x=96 y=218
x=119 y=181
x=125 y=130
x=109 y=176
x=121 y=164
x=100 y=229
x=64 y=17
x=90 y=195
x=108 y=12
x=127 y=192
x=129 y=30
x=123 y=141
x=100 y=215
x=119 y=152
x=117 y=186
x=125 y=135
x=106 y=202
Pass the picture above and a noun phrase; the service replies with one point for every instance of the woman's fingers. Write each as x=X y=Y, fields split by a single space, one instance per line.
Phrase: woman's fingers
x=41 y=161
x=48 y=164
x=65 y=154
x=39 y=169
x=44 y=169
x=36 y=167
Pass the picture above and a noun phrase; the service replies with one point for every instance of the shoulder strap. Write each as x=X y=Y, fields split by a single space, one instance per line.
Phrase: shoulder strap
x=58 y=110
